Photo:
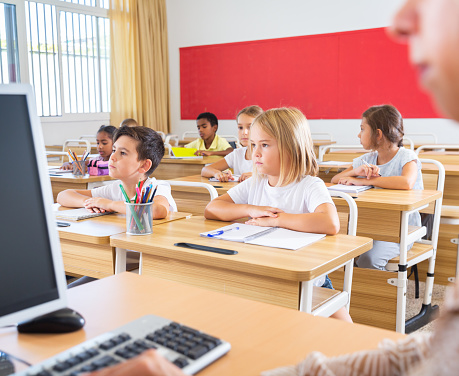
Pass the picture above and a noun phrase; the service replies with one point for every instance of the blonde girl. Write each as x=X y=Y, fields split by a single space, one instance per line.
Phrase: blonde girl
x=284 y=191
x=240 y=160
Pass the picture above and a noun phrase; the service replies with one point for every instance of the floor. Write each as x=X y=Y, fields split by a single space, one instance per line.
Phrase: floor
x=413 y=306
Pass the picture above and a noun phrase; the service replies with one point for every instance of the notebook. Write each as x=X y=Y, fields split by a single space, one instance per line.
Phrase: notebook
x=351 y=189
x=57 y=170
x=235 y=178
x=266 y=236
x=334 y=163
x=77 y=214
x=184 y=153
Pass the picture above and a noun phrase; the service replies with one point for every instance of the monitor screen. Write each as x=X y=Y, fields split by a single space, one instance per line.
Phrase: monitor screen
x=32 y=280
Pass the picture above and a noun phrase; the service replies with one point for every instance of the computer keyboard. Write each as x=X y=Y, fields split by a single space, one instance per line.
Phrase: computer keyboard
x=189 y=349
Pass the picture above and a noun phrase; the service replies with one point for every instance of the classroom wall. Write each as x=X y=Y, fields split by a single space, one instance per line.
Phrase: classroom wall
x=206 y=22
x=56 y=130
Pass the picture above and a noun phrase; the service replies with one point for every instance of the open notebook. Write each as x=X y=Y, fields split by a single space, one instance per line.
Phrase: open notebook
x=351 y=189
x=77 y=214
x=267 y=236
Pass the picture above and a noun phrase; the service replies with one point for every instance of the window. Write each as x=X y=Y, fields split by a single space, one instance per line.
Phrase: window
x=9 y=59
x=68 y=48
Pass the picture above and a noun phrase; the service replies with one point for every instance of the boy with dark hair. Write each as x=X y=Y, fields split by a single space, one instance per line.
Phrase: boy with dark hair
x=137 y=151
x=209 y=143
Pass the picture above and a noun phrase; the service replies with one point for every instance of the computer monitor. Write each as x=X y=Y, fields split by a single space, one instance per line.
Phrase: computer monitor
x=32 y=277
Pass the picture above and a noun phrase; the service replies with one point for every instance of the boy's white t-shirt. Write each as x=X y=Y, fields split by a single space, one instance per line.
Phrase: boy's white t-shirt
x=113 y=192
x=295 y=198
x=236 y=160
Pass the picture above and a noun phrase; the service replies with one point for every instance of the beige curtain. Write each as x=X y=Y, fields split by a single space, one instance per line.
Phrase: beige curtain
x=139 y=63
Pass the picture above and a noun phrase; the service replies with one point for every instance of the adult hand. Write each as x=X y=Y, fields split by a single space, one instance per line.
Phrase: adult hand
x=149 y=363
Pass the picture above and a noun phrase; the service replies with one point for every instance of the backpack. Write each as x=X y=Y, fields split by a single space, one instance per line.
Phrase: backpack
x=97 y=168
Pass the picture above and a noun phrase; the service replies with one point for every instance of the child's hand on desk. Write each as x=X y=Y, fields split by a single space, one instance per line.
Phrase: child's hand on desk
x=224 y=176
x=149 y=363
x=203 y=152
x=263 y=221
x=352 y=181
x=367 y=170
x=98 y=204
x=263 y=211
x=245 y=176
x=66 y=166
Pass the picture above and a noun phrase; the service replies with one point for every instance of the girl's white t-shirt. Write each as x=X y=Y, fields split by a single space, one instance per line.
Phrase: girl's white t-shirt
x=236 y=160
x=296 y=198
x=113 y=192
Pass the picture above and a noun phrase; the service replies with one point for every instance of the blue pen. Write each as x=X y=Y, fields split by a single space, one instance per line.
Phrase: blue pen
x=221 y=232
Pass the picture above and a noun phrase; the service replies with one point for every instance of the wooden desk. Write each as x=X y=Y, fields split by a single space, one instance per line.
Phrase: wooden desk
x=194 y=200
x=379 y=209
x=345 y=155
x=171 y=168
x=451 y=189
x=86 y=248
x=270 y=275
x=320 y=143
x=68 y=181
x=445 y=157
x=262 y=336
x=326 y=172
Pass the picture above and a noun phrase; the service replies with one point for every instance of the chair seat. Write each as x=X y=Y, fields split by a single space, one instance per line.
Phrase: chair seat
x=321 y=295
x=413 y=256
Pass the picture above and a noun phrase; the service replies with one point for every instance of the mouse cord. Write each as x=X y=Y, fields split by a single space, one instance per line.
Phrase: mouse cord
x=16 y=358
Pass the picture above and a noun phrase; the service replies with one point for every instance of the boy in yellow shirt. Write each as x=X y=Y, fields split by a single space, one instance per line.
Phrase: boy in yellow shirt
x=209 y=143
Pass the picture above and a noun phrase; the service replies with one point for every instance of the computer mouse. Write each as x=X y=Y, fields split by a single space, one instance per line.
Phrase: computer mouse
x=6 y=365
x=61 y=321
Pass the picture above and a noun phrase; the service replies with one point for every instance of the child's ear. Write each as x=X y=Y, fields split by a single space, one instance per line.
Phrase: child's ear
x=379 y=134
x=145 y=165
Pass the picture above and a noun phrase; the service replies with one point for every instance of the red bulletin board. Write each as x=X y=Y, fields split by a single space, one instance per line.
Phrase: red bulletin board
x=327 y=76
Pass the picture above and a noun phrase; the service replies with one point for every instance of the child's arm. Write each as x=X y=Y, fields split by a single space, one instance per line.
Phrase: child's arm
x=216 y=170
x=223 y=208
x=207 y=152
x=98 y=204
x=324 y=220
x=73 y=198
x=363 y=170
x=405 y=181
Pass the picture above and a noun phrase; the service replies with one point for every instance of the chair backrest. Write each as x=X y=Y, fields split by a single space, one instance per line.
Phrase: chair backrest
x=232 y=140
x=172 y=139
x=90 y=137
x=196 y=207
x=162 y=134
x=190 y=134
x=321 y=136
x=349 y=219
x=407 y=140
x=437 y=147
x=433 y=182
x=79 y=147
x=349 y=154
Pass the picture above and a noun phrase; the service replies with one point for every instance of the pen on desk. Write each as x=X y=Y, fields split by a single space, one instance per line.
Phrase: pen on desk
x=221 y=232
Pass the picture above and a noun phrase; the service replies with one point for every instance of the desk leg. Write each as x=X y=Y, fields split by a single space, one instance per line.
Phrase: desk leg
x=402 y=275
x=120 y=260
x=348 y=271
x=306 y=297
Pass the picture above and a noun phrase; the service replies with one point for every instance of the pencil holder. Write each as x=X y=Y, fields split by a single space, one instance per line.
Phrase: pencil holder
x=139 y=218
x=79 y=169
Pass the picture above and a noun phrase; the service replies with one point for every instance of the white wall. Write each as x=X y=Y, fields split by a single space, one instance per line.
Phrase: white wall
x=201 y=22
x=56 y=130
